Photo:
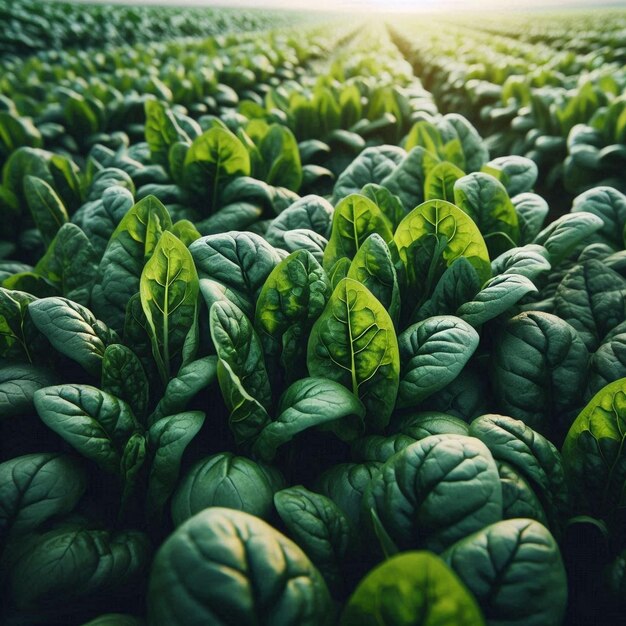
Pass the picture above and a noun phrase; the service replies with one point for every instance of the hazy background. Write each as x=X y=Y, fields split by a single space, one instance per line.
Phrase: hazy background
x=357 y=6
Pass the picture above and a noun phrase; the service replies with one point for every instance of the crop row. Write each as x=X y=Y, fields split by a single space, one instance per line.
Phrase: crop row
x=565 y=110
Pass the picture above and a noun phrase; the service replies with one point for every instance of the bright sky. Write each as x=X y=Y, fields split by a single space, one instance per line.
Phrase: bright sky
x=385 y=5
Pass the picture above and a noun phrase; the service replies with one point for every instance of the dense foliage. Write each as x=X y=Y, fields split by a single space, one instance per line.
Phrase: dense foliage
x=285 y=341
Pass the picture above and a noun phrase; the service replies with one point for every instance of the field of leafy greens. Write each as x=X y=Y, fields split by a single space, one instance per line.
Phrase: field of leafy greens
x=311 y=322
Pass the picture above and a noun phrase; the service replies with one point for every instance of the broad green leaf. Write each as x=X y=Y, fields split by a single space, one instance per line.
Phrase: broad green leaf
x=373 y=267
x=35 y=488
x=539 y=371
x=169 y=291
x=131 y=245
x=498 y=296
x=532 y=211
x=93 y=422
x=435 y=492
x=280 y=159
x=78 y=566
x=514 y=570
x=311 y=212
x=20 y=339
x=123 y=376
x=430 y=238
x=241 y=371
x=411 y=589
x=319 y=527
x=440 y=182
x=532 y=455
x=487 y=202
x=371 y=166
x=239 y=261
x=307 y=403
x=389 y=204
x=162 y=131
x=18 y=384
x=345 y=484
x=224 y=479
x=70 y=263
x=475 y=151
x=517 y=173
x=592 y=298
x=167 y=440
x=241 y=553
x=214 y=158
x=354 y=342
x=529 y=260
x=407 y=181
x=593 y=454
x=46 y=207
x=354 y=220
x=73 y=331
x=562 y=235
x=433 y=353
x=292 y=298
x=182 y=388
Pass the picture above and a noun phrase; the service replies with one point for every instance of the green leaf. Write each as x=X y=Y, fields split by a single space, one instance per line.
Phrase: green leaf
x=224 y=479
x=433 y=354
x=241 y=371
x=354 y=342
x=562 y=235
x=592 y=298
x=239 y=261
x=411 y=589
x=407 y=181
x=167 y=440
x=35 y=488
x=223 y=549
x=435 y=492
x=389 y=204
x=162 y=131
x=311 y=402
x=214 y=158
x=487 y=202
x=319 y=527
x=458 y=284
x=373 y=267
x=371 y=166
x=514 y=570
x=183 y=388
x=123 y=376
x=18 y=384
x=593 y=454
x=93 y=422
x=517 y=173
x=292 y=298
x=430 y=238
x=169 y=291
x=532 y=455
x=279 y=156
x=354 y=220
x=529 y=260
x=73 y=331
x=532 y=211
x=498 y=296
x=440 y=182
x=70 y=263
x=131 y=245
x=539 y=371
x=78 y=566
x=46 y=207
x=20 y=339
